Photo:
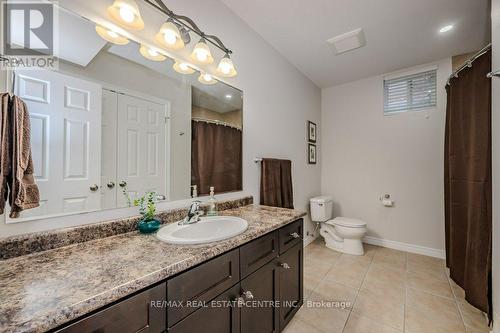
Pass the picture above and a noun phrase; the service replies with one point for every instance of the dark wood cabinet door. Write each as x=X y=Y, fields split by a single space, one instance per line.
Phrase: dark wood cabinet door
x=258 y=252
x=259 y=291
x=290 y=235
x=222 y=315
x=144 y=312
x=201 y=284
x=291 y=283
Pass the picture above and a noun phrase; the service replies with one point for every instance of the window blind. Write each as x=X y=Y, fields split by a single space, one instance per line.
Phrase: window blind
x=410 y=93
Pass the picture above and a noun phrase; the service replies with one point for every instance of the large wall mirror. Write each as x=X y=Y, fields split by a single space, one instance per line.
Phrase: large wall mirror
x=111 y=123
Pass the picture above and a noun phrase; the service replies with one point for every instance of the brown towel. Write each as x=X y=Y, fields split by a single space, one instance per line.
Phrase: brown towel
x=276 y=183
x=5 y=148
x=23 y=190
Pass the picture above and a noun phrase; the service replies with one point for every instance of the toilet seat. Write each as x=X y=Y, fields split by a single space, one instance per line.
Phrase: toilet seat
x=347 y=222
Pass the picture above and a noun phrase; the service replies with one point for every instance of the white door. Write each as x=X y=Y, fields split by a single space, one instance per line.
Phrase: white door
x=65 y=115
x=142 y=148
x=109 y=188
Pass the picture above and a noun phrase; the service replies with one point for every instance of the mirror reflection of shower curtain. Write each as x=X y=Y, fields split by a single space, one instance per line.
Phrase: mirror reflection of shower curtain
x=216 y=157
x=467 y=168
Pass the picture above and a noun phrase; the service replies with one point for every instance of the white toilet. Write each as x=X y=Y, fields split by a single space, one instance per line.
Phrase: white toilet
x=341 y=233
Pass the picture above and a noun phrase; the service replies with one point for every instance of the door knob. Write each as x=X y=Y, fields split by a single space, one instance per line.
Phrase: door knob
x=111 y=185
x=285 y=265
x=123 y=183
x=248 y=294
x=94 y=187
x=294 y=235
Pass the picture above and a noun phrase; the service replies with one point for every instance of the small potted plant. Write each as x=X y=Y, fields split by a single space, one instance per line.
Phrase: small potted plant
x=147 y=209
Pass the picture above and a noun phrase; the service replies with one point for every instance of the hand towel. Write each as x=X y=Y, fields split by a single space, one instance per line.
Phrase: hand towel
x=276 y=183
x=24 y=192
x=5 y=148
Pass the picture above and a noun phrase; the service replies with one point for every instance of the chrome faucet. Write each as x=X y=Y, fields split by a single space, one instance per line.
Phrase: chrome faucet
x=193 y=214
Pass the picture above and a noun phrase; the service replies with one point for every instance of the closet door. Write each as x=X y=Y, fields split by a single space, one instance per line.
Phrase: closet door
x=65 y=117
x=142 y=147
x=109 y=189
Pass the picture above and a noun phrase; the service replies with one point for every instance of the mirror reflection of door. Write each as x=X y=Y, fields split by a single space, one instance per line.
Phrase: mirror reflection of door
x=65 y=114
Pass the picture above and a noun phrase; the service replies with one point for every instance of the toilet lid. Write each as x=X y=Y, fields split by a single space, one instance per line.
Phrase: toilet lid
x=347 y=222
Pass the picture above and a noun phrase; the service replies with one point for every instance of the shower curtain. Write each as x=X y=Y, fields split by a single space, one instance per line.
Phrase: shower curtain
x=215 y=157
x=468 y=190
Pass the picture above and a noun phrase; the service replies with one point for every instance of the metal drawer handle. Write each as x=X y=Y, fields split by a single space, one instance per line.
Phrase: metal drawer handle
x=248 y=294
x=285 y=265
x=111 y=185
x=94 y=187
x=294 y=235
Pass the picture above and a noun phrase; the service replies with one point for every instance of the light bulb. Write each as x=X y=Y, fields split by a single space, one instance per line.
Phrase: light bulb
x=170 y=37
x=225 y=68
x=127 y=14
x=207 y=77
x=183 y=66
x=201 y=55
x=153 y=53
x=112 y=34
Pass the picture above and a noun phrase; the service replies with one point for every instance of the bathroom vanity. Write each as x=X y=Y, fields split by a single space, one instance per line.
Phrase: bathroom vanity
x=131 y=282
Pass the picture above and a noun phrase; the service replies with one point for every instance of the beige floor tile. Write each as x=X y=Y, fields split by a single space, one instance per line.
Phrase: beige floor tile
x=425 y=260
x=381 y=275
x=473 y=330
x=390 y=258
x=439 y=308
x=335 y=292
x=458 y=292
x=379 y=309
x=348 y=271
x=473 y=318
x=428 y=270
x=370 y=250
x=360 y=324
x=391 y=294
x=430 y=285
x=418 y=321
x=323 y=318
x=298 y=326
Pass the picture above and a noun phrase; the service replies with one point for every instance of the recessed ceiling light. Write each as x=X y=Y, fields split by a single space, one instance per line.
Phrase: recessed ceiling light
x=349 y=41
x=446 y=28
x=229 y=96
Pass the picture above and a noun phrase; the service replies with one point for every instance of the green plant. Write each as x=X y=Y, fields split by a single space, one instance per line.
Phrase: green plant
x=126 y=195
x=147 y=206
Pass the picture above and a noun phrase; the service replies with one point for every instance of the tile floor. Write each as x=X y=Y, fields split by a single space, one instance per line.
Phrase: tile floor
x=384 y=291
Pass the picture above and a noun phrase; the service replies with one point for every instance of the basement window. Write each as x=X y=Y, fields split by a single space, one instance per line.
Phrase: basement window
x=414 y=92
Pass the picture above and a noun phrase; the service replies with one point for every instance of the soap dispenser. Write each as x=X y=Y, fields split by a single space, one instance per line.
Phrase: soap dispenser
x=212 y=211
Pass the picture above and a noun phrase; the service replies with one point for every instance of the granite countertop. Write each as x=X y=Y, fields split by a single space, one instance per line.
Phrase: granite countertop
x=43 y=290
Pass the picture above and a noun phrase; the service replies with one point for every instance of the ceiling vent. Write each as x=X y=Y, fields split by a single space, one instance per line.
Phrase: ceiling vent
x=347 y=42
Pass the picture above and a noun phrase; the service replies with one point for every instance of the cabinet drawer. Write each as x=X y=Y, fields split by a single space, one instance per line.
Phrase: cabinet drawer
x=222 y=315
x=135 y=314
x=290 y=235
x=201 y=284
x=258 y=252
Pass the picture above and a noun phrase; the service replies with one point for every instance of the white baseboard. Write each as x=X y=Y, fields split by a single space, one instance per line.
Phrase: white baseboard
x=427 y=251
x=308 y=240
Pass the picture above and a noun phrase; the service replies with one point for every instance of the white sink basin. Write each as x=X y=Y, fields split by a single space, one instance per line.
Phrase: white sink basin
x=209 y=229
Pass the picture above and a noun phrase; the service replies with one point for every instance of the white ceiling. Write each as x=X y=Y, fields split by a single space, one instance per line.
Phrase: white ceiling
x=399 y=33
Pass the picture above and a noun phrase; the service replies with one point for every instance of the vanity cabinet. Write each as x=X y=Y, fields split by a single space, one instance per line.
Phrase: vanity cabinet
x=255 y=288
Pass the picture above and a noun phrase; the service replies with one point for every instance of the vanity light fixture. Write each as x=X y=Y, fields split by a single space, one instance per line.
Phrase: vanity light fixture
x=151 y=54
x=169 y=36
x=226 y=67
x=206 y=79
x=201 y=53
x=126 y=13
x=111 y=36
x=183 y=68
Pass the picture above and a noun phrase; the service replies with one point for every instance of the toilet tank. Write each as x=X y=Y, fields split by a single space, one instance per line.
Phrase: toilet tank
x=321 y=208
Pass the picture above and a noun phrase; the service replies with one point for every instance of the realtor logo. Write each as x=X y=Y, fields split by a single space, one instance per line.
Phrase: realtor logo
x=28 y=34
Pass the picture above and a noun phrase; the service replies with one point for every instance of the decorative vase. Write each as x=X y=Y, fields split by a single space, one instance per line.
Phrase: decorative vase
x=148 y=226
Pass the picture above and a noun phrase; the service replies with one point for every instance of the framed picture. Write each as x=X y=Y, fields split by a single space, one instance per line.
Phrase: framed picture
x=311 y=131
x=311 y=153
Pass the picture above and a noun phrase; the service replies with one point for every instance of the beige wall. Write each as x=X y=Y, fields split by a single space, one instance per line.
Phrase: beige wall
x=459 y=60
x=366 y=154
x=120 y=72
x=233 y=118
x=496 y=161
